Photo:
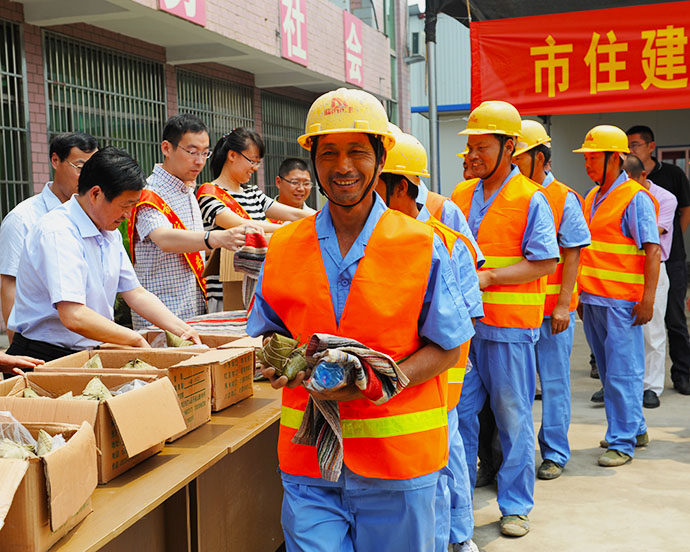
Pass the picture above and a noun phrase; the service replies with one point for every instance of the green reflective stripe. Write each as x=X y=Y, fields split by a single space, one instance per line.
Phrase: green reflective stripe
x=619 y=248
x=390 y=426
x=552 y=289
x=511 y=298
x=499 y=262
x=612 y=275
x=456 y=375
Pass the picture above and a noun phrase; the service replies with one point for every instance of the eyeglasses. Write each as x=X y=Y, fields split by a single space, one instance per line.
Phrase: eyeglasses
x=77 y=167
x=296 y=183
x=635 y=145
x=196 y=154
x=255 y=164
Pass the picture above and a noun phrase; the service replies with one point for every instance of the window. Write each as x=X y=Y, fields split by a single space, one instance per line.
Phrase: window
x=283 y=122
x=679 y=156
x=117 y=98
x=15 y=174
x=220 y=104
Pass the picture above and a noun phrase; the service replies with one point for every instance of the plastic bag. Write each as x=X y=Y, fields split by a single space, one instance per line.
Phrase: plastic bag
x=330 y=376
x=130 y=386
x=11 y=429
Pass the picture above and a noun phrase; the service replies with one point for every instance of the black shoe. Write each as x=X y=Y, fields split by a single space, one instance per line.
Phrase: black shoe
x=682 y=386
x=484 y=477
x=594 y=371
x=650 y=400
x=598 y=396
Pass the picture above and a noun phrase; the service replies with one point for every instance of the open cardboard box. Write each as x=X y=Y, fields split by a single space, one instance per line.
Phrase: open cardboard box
x=191 y=381
x=156 y=338
x=41 y=499
x=129 y=428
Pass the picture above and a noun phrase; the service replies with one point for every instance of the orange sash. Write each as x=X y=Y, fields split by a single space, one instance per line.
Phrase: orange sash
x=211 y=190
x=196 y=262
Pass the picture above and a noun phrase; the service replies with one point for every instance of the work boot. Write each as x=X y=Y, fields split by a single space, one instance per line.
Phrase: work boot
x=650 y=399
x=594 y=371
x=485 y=476
x=549 y=470
x=641 y=440
x=612 y=458
x=682 y=386
x=467 y=546
x=515 y=525
x=598 y=396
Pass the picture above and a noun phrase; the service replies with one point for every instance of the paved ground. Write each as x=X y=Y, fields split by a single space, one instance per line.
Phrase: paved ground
x=644 y=505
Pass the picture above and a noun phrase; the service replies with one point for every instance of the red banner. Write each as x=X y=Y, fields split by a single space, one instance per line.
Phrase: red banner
x=622 y=59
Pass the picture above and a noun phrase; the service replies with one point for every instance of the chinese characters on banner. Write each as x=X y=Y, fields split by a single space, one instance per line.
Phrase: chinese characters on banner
x=354 y=56
x=293 y=30
x=623 y=59
x=192 y=10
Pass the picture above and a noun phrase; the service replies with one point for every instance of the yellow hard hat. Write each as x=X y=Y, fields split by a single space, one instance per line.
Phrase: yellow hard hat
x=605 y=138
x=408 y=156
x=463 y=153
x=494 y=117
x=346 y=110
x=532 y=134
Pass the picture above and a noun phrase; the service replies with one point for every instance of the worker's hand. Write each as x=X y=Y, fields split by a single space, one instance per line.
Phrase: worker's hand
x=485 y=278
x=278 y=382
x=9 y=362
x=580 y=309
x=643 y=311
x=190 y=334
x=560 y=319
x=139 y=341
x=347 y=393
x=232 y=238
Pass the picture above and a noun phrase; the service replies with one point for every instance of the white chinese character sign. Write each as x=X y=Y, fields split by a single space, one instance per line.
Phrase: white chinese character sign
x=293 y=30
x=354 y=54
x=191 y=10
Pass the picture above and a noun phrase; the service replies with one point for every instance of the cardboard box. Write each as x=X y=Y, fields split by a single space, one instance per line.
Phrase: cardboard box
x=232 y=296
x=244 y=342
x=226 y=269
x=192 y=381
x=156 y=338
x=41 y=499
x=129 y=428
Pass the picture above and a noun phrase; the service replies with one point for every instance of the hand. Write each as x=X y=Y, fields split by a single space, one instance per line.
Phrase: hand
x=485 y=278
x=278 y=382
x=580 y=310
x=10 y=362
x=347 y=393
x=560 y=319
x=232 y=238
x=643 y=311
x=139 y=341
x=190 y=334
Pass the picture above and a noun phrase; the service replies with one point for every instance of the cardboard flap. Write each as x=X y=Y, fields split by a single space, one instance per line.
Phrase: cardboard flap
x=251 y=342
x=11 y=474
x=51 y=410
x=67 y=493
x=147 y=416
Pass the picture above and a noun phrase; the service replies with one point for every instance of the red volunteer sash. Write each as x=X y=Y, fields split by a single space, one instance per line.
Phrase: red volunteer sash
x=211 y=190
x=195 y=261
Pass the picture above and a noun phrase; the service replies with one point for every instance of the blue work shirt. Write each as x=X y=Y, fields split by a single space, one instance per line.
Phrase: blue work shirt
x=538 y=243
x=465 y=272
x=638 y=223
x=453 y=217
x=444 y=319
x=67 y=258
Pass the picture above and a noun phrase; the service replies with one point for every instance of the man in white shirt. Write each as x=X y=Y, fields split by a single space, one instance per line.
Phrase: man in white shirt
x=68 y=153
x=73 y=264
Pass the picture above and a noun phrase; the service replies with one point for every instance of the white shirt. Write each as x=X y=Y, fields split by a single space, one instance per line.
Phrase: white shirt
x=67 y=258
x=17 y=224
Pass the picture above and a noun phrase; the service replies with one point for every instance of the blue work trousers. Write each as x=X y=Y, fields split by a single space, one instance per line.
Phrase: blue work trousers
x=341 y=519
x=454 y=516
x=618 y=347
x=507 y=373
x=553 y=365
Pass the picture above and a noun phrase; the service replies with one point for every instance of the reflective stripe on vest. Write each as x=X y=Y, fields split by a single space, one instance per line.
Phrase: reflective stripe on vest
x=402 y=438
x=500 y=237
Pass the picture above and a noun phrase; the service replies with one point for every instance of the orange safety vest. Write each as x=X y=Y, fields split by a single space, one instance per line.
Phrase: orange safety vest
x=152 y=199
x=434 y=202
x=407 y=436
x=456 y=374
x=556 y=193
x=500 y=239
x=612 y=266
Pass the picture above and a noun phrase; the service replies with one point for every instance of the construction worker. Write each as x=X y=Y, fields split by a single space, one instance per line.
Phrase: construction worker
x=466 y=170
x=511 y=219
x=556 y=334
x=617 y=280
x=349 y=271
x=399 y=185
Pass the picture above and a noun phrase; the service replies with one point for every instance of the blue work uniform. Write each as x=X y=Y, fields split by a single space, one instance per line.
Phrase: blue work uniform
x=504 y=367
x=454 y=515
x=355 y=512
x=618 y=346
x=553 y=351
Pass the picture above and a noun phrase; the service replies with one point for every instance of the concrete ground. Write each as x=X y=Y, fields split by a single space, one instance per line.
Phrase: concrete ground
x=644 y=505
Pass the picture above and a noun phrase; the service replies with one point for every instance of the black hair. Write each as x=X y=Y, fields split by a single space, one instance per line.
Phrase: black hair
x=178 y=125
x=545 y=151
x=634 y=166
x=290 y=164
x=392 y=180
x=644 y=131
x=114 y=171
x=62 y=144
x=238 y=140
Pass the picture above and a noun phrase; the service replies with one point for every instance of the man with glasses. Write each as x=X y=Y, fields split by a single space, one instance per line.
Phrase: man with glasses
x=294 y=184
x=671 y=178
x=166 y=233
x=68 y=153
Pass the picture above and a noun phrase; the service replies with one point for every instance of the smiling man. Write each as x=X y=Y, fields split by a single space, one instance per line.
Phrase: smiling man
x=294 y=184
x=73 y=264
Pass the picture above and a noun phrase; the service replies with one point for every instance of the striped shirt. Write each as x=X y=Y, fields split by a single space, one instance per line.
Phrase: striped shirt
x=167 y=275
x=252 y=200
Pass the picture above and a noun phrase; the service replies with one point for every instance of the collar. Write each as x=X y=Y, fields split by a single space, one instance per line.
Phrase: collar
x=424 y=213
x=548 y=179
x=423 y=192
x=86 y=227
x=622 y=177
x=480 y=186
x=164 y=176
x=49 y=198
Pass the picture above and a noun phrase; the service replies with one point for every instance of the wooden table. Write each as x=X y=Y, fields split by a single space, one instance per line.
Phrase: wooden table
x=216 y=488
